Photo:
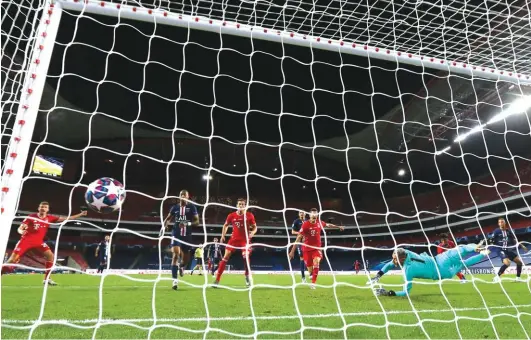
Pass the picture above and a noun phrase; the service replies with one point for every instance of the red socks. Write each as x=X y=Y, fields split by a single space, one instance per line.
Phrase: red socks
x=460 y=276
x=314 y=273
x=221 y=269
x=48 y=265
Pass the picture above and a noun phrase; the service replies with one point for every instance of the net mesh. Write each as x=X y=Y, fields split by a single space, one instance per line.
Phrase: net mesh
x=492 y=34
x=19 y=27
x=222 y=109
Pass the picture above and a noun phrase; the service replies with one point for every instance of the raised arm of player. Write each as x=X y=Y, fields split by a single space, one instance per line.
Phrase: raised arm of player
x=333 y=226
x=71 y=217
x=97 y=251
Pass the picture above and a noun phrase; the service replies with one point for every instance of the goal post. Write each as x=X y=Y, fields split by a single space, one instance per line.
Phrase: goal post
x=31 y=89
x=30 y=94
x=42 y=47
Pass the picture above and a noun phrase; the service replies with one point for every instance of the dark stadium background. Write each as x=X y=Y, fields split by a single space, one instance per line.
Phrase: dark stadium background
x=105 y=114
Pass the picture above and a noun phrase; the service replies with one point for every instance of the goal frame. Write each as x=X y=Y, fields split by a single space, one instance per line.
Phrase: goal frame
x=46 y=33
x=163 y=17
x=17 y=152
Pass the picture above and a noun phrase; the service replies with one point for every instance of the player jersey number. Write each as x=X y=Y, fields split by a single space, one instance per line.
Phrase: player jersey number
x=312 y=232
x=237 y=224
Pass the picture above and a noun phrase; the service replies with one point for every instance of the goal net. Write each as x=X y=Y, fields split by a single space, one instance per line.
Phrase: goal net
x=401 y=121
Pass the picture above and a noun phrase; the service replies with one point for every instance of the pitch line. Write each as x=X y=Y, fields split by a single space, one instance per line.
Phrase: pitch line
x=249 y=318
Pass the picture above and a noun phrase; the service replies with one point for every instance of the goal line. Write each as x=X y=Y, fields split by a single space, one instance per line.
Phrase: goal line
x=14 y=322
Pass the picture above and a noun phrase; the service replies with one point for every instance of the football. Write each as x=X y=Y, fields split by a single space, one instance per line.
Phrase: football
x=105 y=195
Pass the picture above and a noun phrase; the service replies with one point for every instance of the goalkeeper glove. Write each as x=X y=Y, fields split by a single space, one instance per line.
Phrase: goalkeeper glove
x=373 y=280
x=383 y=292
x=376 y=278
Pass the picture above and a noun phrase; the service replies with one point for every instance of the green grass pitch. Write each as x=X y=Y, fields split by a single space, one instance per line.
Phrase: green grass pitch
x=143 y=307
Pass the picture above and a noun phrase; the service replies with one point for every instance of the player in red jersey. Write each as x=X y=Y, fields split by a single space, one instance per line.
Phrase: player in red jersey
x=243 y=229
x=311 y=232
x=357 y=266
x=443 y=246
x=33 y=230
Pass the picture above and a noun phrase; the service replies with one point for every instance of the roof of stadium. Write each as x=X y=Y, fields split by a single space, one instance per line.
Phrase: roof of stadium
x=379 y=116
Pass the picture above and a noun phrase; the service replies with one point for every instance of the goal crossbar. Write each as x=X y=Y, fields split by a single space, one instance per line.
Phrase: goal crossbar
x=164 y=17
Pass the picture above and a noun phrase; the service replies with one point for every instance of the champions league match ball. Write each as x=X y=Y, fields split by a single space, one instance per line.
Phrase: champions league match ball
x=105 y=195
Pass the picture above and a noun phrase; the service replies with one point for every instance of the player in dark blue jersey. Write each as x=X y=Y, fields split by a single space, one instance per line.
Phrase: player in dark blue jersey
x=295 y=229
x=184 y=217
x=505 y=239
x=214 y=255
x=102 y=253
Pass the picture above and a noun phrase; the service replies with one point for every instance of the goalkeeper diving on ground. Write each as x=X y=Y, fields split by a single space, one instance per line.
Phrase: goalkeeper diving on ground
x=425 y=266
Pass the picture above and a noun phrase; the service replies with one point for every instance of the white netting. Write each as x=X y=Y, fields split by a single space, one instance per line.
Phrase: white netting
x=492 y=34
x=19 y=26
x=395 y=152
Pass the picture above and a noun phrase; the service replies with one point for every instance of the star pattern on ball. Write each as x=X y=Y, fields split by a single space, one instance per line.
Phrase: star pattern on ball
x=98 y=203
x=105 y=195
x=113 y=189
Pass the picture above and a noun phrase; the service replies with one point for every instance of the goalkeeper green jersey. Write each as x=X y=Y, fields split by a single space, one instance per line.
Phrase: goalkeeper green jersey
x=199 y=253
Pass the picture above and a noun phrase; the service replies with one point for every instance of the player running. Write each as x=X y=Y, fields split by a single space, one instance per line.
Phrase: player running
x=185 y=218
x=443 y=246
x=198 y=255
x=214 y=255
x=357 y=266
x=295 y=229
x=504 y=238
x=424 y=266
x=311 y=233
x=33 y=230
x=243 y=230
x=102 y=253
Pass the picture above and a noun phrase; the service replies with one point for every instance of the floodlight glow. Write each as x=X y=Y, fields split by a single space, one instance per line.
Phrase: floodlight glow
x=518 y=106
x=462 y=137
x=442 y=151
x=401 y=172
x=207 y=177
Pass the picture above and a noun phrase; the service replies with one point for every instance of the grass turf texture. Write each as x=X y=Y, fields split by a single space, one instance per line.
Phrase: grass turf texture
x=153 y=309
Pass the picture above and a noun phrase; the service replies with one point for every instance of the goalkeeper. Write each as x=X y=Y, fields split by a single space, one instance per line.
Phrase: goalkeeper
x=424 y=266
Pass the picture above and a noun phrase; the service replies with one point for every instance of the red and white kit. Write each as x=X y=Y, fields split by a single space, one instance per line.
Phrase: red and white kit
x=312 y=237
x=240 y=230
x=33 y=237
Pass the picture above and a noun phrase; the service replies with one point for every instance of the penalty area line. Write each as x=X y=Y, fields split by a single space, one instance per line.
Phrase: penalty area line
x=250 y=318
